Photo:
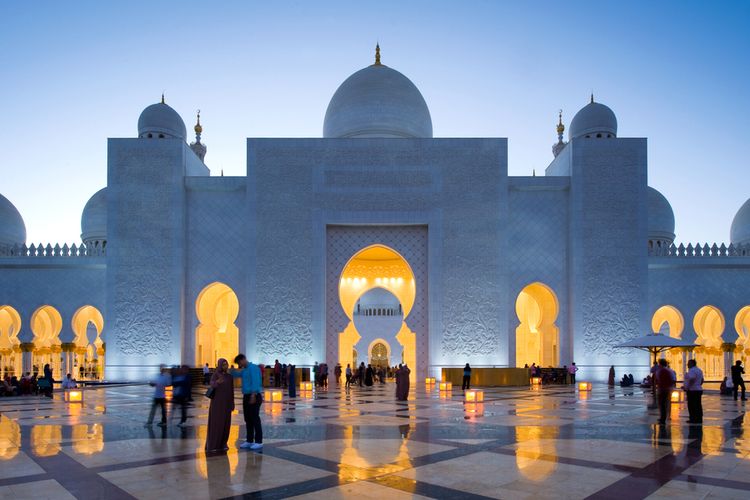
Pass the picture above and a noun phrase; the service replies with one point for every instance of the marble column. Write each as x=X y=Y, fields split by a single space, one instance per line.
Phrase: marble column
x=26 y=349
x=728 y=349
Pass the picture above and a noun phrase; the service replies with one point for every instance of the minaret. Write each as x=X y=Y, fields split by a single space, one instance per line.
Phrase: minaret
x=560 y=144
x=198 y=148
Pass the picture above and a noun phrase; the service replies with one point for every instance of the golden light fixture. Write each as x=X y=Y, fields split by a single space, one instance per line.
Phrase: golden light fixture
x=306 y=386
x=273 y=395
x=74 y=396
x=536 y=380
x=430 y=381
x=446 y=386
x=677 y=396
x=474 y=396
x=476 y=408
x=584 y=386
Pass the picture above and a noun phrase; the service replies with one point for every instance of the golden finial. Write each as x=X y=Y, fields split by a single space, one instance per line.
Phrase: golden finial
x=198 y=129
x=162 y=98
x=560 y=126
x=592 y=97
x=377 y=54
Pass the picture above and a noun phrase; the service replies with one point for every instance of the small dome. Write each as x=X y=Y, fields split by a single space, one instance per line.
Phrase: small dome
x=94 y=217
x=660 y=217
x=740 y=232
x=159 y=121
x=12 y=228
x=377 y=101
x=594 y=118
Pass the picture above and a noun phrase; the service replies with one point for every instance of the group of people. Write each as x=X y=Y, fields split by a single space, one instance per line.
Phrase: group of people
x=564 y=375
x=178 y=377
x=367 y=375
x=29 y=384
x=665 y=381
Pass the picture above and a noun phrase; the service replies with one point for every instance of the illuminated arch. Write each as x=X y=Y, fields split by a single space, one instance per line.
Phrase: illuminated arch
x=742 y=326
x=709 y=326
x=672 y=317
x=81 y=319
x=537 y=335
x=217 y=336
x=10 y=346
x=377 y=266
x=46 y=324
x=372 y=346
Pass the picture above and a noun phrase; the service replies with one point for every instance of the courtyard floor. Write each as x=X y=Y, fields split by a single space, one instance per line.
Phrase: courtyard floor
x=521 y=443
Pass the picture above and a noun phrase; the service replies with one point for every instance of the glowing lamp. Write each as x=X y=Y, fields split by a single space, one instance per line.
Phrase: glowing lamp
x=584 y=386
x=429 y=381
x=74 y=396
x=536 y=380
x=474 y=396
x=446 y=386
x=306 y=386
x=677 y=397
x=306 y=394
x=273 y=395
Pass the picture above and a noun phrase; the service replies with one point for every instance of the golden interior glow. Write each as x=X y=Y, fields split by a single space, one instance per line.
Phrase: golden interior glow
x=742 y=326
x=372 y=267
x=709 y=326
x=446 y=386
x=10 y=438
x=380 y=353
x=87 y=352
x=536 y=380
x=430 y=381
x=46 y=324
x=584 y=386
x=46 y=439
x=74 y=396
x=10 y=356
x=669 y=317
x=537 y=336
x=217 y=308
x=475 y=408
x=677 y=396
x=306 y=386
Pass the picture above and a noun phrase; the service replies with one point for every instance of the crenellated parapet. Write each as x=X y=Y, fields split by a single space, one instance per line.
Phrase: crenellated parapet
x=40 y=250
x=698 y=250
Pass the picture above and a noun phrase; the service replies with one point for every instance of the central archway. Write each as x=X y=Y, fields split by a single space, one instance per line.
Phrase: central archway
x=668 y=320
x=87 y=324
x=537 y=337
x=217 y=308
x=709 y=327
x=46 y=324
x=377 y=266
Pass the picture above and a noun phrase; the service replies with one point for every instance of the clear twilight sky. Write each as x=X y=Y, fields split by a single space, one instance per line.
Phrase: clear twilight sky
x=76 y=73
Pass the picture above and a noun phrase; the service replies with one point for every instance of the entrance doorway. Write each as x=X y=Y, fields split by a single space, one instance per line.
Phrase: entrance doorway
x=380 y=354
x=377 y=291
x=217 y=336
x=537 y=337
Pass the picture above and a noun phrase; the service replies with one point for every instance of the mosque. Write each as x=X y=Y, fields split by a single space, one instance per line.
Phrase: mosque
x=375 y=243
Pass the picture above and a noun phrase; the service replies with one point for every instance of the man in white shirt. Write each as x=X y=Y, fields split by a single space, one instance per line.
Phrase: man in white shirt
x=694 y=388
x=69 y=382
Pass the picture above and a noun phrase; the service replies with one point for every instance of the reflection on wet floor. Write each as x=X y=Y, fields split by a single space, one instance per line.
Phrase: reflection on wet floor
x=363 y=442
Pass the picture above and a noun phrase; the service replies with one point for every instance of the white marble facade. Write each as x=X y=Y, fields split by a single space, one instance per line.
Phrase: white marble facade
x=280 y=236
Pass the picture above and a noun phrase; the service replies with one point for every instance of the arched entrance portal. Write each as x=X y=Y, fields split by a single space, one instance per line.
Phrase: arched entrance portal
x=378 y=267
x=709 y=325
x=380 y=353
x=537 y=337
x=217 y=336
x=87 y=358
x=668 y=321
x=10 y=346
x=46 y=324
x=742 y=326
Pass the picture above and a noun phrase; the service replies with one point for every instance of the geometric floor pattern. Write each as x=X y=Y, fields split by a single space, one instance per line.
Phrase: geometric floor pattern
x=520 y=443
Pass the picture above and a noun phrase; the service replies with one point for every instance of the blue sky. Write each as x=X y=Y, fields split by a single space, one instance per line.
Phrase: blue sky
x=76 y=73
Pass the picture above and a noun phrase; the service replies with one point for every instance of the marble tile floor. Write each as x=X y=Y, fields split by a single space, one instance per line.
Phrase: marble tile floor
x=551 y=442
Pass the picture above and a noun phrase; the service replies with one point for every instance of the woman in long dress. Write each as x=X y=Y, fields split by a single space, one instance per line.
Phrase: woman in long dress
x=403 y=388
x=220 y=409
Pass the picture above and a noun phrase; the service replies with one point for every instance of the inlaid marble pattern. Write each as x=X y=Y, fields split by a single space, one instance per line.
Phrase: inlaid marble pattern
x=521 y=443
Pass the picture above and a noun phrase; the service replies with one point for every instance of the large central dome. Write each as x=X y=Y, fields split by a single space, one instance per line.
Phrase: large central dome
x=377 y=101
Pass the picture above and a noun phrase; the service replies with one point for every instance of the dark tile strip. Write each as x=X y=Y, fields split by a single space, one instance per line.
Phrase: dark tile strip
x=8 y=481
x=143 y=463
x=713 y=481
x=291 y=490
x=573 y=461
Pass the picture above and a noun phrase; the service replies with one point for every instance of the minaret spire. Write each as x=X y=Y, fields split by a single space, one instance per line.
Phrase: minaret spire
x=198 y=148
x=592 y=96
x=377 y=54
x=560 y=144
x=162 y=98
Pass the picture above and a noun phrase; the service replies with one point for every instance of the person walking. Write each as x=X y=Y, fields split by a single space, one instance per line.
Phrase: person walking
x=402 y=382
x=348 y=376
x=368 y=376
x=611 y=378
x=466 y=383
x=206 y=375
x=291 y=379
x=694 y=389
x=159 y=384
x=664 y=385
x=277 y=373
x=252 y=398
x=316 y=378
x=337 y=373
x=361 y=373
x=181 y=392
x=572 y=369
x=737 y=381
x=220 y=409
